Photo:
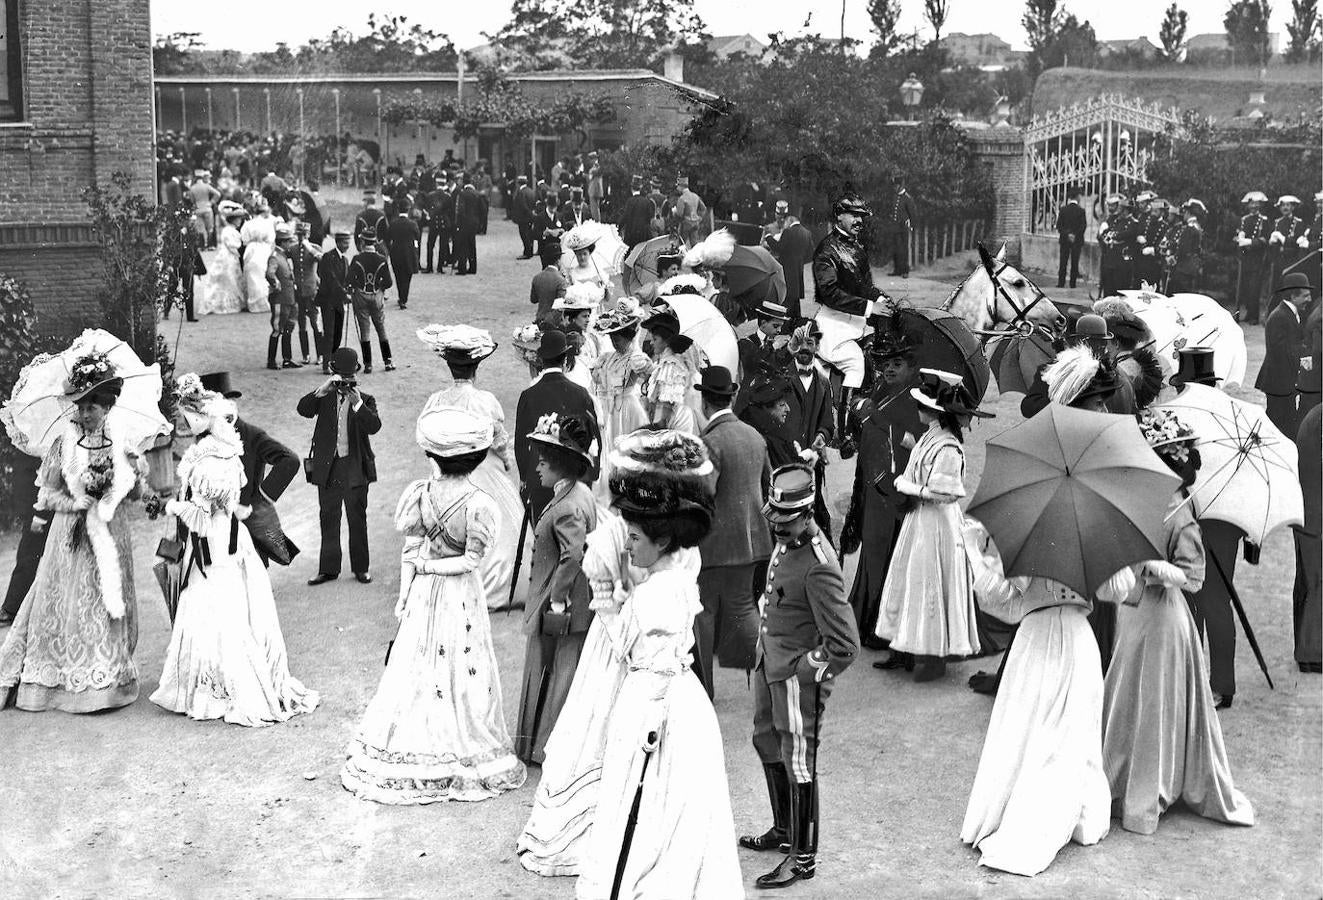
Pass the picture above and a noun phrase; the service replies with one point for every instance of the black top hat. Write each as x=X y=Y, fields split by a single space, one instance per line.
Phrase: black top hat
x=791 y=494
x=552 y=346
x=344 y=361
x=220 y=383
x=1293 y=281
x=1194 y=366
x=716 y=380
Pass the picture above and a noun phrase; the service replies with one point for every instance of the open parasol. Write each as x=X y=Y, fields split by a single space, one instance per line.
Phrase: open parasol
x=703 y=323
x=1192 y=320
x=608 y=253
x=1017 y=357
x=942 y=340
x=753 y=275
x=38 y=408
x=1248 y=473
x=640 y=266
x=1074 y=496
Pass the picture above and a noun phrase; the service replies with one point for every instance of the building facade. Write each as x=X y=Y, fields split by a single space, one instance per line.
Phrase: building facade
x=75 y=108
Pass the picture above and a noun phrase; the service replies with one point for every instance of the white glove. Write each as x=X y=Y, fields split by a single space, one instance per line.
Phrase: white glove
x=105 y=510
x=1243 y=242
x=1302 y=242
x=1147 y=251
x=242 y=512
x=1277 y=238
x=1307 y=363
x=1156 y=570
x=1141 y=240
x=1102 y=229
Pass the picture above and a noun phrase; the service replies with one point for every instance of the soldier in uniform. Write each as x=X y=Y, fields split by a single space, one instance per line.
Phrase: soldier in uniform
x=284 y=302
x=807 y=637
x=1114 y=234
x=1182 y=249
x=304 y=257
x=367 y=279
x=1252 y=241
x=1288 y=242
x=1150 y=226
x=848 y=299
x=900 y=225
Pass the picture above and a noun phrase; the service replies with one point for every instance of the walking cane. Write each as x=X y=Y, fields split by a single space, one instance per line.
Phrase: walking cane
x=519 y=554
x=648 y=749
x=1244 y=620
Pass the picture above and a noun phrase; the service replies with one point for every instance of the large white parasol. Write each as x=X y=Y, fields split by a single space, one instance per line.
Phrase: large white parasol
x=704 y=324
x=608 y=253
x=1192 y=320
x=38 y=407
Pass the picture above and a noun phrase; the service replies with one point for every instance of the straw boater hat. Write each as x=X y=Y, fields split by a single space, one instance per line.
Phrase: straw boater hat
x=462 y=344
x=771 y=310
x=450 y=431
x=941 y=391
x=566 y=434
x=791 y=493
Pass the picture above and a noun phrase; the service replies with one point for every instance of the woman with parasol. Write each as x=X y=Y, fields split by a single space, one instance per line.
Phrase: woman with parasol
x=71 y=646
x=593 y=253
x=1162 y=741
x=226 y=658
x=927 y=606
x=463 y=348
x=662 y=826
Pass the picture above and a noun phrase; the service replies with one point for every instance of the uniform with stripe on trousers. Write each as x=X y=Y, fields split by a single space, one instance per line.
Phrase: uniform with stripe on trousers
x=806 y=638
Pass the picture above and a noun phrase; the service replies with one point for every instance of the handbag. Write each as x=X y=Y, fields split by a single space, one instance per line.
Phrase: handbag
x=555 y=624
x=171 y=549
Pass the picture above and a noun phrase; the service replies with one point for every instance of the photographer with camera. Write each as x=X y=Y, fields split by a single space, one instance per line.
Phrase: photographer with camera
x=341 y=463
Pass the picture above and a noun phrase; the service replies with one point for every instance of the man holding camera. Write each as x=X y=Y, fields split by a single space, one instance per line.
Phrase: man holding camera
x=341 y=463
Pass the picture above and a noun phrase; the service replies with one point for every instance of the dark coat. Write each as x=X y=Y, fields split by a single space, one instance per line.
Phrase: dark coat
x=521 y=205
x=842 y=277
x=740 y=477
x=1071 y=220
x=811 y=410
x=1283 y=338
x=556 y=563
x=267 y=464
x=546 y=287
x=793 y=249
x=332 y=275
x=403 y=240
x=363 y=422
x=550 y=392
x=636 y=219
x=468 y=210
x=372 y=220
x=1311 y=382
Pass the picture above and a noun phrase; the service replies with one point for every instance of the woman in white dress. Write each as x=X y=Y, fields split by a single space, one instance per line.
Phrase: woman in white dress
x=577 y=309
x=226 y=658
x=223 y=289
x=463 y=348
x=618 y=374
x=577 y=263
x=927 y=607
x=259 y=239
x=435 y=729
x=663 y=745
x=671 y=401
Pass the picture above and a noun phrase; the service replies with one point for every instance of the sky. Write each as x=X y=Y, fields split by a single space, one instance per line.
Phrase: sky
x=250 y=25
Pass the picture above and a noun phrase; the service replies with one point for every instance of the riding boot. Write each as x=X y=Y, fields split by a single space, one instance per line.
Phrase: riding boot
x=800 y=863
x=366 y=347
x=271 y=344
x=385 y=355
x=844 y=441
x=778 y=790
x=286 y=347
x=303 y=341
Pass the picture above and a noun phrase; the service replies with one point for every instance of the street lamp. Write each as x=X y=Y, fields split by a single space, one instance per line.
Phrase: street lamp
x=381 y=143
x=339 y=152
x=158 y=107
x=911 y=94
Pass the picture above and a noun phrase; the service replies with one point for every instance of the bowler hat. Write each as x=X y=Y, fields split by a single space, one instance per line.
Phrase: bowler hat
x=716 y=380
x=1195 y=366
x=552 y=345
x=791 y=494
x=1293 y=281
x=344 y=361
x=1093 y=327
x=219 y=382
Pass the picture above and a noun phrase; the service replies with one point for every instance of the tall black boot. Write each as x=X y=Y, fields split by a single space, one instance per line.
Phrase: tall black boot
x=385 y=355
x=287 y=351
x=801 y=863
x=303 y=340
x=844 y=441
x=778 y=791
x=271 y=344
x=366 y=347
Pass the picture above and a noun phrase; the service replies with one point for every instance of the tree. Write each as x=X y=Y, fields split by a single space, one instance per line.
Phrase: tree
x=1303 y=30
x=1041 y=21
x=392 y=44
x=175 y=54
x=1172 y=34
x=885 y=16
x=1246 y=23
x=602 y=34
x=936 y=12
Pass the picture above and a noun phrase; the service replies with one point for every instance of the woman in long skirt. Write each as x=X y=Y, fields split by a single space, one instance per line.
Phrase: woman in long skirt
x=259 y=239
x=72 y=642
x=671 y=398
x=927 y=606
x=663 y=745
x=1162 y=741
x=463 y=348
x=617 y=377
x=226 y=658
x=435 y=730
x=223 y=288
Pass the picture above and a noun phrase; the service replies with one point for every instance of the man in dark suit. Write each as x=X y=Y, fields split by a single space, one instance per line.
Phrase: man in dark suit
x=370 y=218
x=900 y=223
x=759 y=355
x=468 y=219
x=1310 y=382
x=1283 y=341
x=735 y=554
x=550 y=392
x=810 y=422
x=341 y=463
x=521 y=213
x=268 y=466
x=32 y=543
x=403 y=237
x=636 y=218
x=441 y=210
x=792 y=245
x=333 y=296
x=548 y=286
x=1071 y=224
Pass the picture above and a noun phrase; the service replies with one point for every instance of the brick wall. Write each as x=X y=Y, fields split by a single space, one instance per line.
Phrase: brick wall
x=87 y=113
x=1002 y=150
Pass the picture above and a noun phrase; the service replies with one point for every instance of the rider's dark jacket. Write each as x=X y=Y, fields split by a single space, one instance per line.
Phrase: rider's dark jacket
x=842 y=279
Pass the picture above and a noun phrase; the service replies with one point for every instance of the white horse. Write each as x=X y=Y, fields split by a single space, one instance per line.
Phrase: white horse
x=996 y=293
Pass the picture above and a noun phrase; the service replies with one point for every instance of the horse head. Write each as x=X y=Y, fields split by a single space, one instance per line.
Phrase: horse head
x=996 y=293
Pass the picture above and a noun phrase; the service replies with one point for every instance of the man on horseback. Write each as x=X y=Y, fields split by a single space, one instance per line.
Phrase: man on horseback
x=847 y=298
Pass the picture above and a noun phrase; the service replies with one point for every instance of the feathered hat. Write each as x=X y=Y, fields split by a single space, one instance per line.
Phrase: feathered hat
x=1077 y=374
x=458 y=343
x=658 y=474
x=712 y=252
x=1122 y=321
x=578 y=297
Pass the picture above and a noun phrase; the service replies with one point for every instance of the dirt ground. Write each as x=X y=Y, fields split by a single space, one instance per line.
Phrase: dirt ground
x=142 y=803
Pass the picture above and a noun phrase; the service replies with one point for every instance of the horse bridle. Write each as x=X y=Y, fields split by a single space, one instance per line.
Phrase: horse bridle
x=1021 y=321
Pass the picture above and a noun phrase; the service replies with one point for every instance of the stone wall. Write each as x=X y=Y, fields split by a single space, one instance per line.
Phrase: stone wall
x=1001 y=148
x=87 y=113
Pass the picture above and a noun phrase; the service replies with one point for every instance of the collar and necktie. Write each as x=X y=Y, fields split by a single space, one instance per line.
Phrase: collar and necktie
x=342 y=426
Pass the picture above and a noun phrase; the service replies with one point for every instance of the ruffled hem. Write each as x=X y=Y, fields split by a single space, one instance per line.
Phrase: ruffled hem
x=44 y=698
x=413 y=780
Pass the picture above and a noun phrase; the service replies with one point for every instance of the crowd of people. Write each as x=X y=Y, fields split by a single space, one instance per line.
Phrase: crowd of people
x=679 y=522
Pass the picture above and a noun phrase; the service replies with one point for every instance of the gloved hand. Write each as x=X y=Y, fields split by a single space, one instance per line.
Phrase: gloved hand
x=1276 y=238
x=1243 y=242
x=242 y=512
x=1148 y=251
x=1302 y=242
x=1164 y=573
x=1141 y=240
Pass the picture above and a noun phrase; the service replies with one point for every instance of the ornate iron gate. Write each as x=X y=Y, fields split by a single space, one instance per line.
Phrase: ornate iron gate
x=1102 y=146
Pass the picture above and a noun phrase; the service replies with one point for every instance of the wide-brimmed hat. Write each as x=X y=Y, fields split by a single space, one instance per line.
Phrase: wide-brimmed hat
x=451 y=431
x=791 y=493
x=850 y=203
x=1194 y=365
x=220 y=383
x=770 y=309
x=662 y=321
x=1195 y=206
x=1122 y=320
x=942 y=391
x=669 y=257
x=552 y=346
x=1254 y=196
x=461 y=344
x=344 y=361
x=228 y=209
x=579 y=297
x=92 y=374
x=716 y=380
x=657 y=474
x=567 y=433
x=1293 y=281
x=615 y=320
x=1167 y=434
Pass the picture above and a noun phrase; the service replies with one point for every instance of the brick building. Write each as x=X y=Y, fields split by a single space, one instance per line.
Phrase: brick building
x=75 y=107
